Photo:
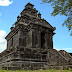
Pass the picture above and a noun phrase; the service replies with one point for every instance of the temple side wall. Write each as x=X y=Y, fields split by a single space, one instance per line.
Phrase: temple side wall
x=13 y=41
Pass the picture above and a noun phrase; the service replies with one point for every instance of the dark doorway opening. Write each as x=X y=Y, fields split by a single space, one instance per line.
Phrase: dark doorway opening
x=42 y=40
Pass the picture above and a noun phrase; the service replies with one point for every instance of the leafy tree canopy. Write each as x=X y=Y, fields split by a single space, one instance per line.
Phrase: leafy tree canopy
x=62 y=7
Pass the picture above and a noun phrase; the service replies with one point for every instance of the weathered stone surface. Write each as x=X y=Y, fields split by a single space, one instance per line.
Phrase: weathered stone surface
x=65 y=54
x=56 y=58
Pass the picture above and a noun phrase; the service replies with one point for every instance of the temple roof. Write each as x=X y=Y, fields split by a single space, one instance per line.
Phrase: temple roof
x=32 y=19
x=29 y=4
x=42 y=22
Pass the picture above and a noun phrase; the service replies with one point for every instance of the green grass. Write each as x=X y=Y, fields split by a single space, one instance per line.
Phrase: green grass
x=35 y=71
x=51 y=70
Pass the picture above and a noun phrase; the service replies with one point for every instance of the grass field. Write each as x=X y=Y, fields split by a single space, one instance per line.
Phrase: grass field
x=51 y=70
x=36 y=71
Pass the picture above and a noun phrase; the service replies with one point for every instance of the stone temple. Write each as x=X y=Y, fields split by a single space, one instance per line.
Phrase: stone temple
x=30 y=44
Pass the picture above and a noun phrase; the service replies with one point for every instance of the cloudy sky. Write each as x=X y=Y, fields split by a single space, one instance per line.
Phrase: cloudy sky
x=10 y=9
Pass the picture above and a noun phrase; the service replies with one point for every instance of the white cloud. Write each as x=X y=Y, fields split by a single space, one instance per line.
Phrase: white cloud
x=3 y=41
x=56 y=49
x=5 y=2
x=66 y=49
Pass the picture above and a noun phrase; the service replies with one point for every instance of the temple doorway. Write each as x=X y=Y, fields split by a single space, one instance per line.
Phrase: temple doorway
x=42 y=40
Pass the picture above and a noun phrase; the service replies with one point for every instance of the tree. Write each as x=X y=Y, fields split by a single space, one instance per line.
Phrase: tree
x=62 y=7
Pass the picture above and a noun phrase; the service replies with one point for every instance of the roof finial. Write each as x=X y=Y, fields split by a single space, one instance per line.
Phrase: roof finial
x=39 y=15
